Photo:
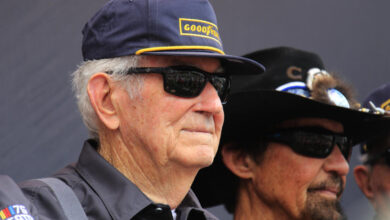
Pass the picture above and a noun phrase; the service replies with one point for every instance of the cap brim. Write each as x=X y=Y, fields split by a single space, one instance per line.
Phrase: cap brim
x=234 y=65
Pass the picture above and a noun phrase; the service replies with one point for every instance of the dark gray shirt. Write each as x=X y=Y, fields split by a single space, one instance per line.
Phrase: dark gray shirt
x=103 y=191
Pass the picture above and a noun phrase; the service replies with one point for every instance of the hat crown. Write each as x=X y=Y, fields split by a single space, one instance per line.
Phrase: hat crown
x=127 y=27
x=284 y=65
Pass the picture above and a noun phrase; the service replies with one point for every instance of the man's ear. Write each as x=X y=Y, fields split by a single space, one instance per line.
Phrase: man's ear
x=238 y=162
x=362 y=178
x=100 y=88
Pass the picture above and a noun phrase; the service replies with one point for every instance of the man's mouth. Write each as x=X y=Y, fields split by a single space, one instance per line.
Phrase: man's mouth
x=198 y=130
x=329 y=192
x=330 y=188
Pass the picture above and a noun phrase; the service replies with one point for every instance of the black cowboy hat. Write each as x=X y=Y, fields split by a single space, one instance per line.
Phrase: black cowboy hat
x=283 y=92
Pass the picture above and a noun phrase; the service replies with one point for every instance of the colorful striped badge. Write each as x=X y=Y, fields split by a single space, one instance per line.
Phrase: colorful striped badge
x=15 y=212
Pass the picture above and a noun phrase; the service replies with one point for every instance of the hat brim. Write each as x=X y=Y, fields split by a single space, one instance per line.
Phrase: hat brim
x=269 y=107
x=216 y=184
x=234 y=65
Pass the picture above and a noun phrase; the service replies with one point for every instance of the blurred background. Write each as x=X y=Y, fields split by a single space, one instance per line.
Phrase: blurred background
x=40 y=45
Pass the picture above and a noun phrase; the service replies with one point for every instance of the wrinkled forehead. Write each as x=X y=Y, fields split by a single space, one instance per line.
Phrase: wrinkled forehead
x=207 y=64
x=328 y=124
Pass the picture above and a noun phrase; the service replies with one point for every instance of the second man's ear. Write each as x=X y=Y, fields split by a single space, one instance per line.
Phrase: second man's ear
x=100 y=89
x=362 y=178
x=238 y=162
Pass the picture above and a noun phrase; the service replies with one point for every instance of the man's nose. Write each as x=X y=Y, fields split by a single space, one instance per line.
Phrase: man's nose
x=336 y=162
x=209 y=101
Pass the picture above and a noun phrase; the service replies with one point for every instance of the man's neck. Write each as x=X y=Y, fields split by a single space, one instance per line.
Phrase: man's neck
x=167 y=185
x=250 y=206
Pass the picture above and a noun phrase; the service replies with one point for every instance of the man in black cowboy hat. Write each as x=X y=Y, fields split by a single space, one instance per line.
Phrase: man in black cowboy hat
x=373 y=176
x=286 y=142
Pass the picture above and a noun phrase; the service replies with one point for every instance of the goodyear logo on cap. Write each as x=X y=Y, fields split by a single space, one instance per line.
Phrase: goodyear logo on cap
x=199 y=28
x=386 y=105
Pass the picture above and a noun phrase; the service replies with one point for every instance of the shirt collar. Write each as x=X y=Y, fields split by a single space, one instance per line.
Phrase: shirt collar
x=120 y=196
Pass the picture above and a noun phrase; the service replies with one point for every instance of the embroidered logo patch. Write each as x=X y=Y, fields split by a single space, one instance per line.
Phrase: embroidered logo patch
x=199 y=28
x=15 y=212
x=386 y=105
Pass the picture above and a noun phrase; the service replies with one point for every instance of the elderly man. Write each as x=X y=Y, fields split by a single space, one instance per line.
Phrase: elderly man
x=373 y=177
x=286 y=142
x=150 y=92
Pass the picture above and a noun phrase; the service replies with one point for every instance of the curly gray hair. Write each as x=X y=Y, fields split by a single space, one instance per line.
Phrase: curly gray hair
x=118 y=68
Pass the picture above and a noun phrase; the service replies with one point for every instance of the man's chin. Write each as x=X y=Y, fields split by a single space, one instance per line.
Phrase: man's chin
x=323 y=208
x=198 y=157
x=205 y=159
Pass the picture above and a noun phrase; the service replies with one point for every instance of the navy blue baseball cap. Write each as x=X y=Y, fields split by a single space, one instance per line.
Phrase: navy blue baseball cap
x=380 y=100
x=159 y=27
x=380 y=97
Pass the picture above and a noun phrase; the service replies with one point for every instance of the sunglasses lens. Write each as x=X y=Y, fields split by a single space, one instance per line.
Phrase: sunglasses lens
x=189 y=83
x=345 y=145
x=313 y=144
x=220 y=83
x=318 y=146
x=184 y=83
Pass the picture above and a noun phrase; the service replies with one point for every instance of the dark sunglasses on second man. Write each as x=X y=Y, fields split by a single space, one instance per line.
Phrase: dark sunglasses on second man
x=188 y=81
x=312 y=141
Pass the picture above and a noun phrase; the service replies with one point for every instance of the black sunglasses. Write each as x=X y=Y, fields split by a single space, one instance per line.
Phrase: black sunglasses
x=376 y=158
x=312 y=142
x=188 y=81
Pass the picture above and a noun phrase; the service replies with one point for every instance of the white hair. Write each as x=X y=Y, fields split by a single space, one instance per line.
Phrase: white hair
x=117 y=67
